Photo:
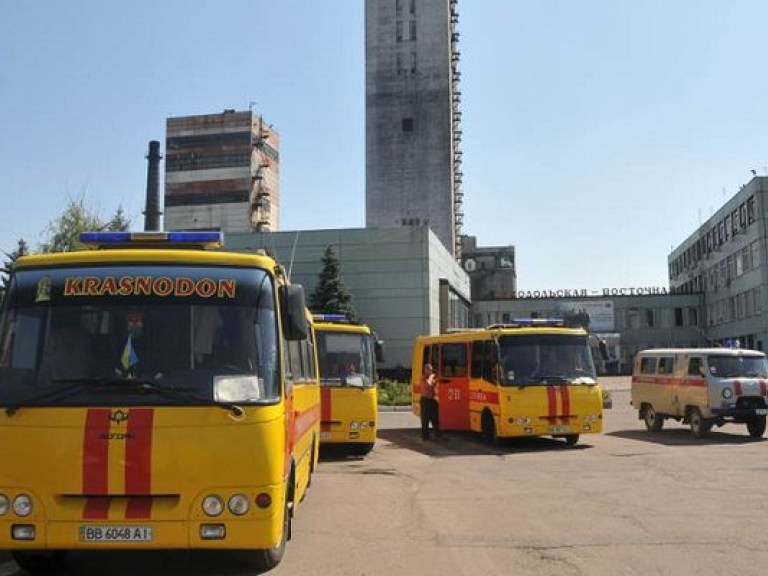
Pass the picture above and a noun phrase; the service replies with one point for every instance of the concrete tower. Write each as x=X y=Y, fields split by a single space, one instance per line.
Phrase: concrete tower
x=221 y=173
x=413 y=135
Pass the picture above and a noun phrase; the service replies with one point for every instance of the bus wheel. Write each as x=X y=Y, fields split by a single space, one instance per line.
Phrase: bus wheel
x=268 y=558
x=699 y=425
x=41 y=561
x=489 y=428
x=653 y=421
x=756 y=426
x=571 y=439
x=359 y=449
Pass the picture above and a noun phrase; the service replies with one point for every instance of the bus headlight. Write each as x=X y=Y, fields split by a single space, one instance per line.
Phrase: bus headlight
x=523 y=421
x=591 y=418
x=22 y=505
x=4 y=505
x=238 y=505
x=727 y=393
x=213 y=505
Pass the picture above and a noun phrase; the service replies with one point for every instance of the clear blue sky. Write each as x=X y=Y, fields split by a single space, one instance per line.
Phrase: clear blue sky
x=597 y=134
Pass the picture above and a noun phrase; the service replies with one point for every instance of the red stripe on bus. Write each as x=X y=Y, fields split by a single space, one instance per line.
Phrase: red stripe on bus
x=96 y=508
x=566 y=395
x=737 y=388
x=95 y=466
x=138 y=462
x=552 y=398
x=304 y=421
x=325 y=409
x=762 y=388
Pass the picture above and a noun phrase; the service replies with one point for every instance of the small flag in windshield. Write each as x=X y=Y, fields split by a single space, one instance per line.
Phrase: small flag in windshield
x=129 y=358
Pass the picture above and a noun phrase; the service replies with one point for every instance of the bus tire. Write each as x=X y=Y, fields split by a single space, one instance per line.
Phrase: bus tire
x=268 y=558
x=700 y=426
x=40 y=561
x=571 y=439
x=653 y=420
x=488 y=428
x=756 y=426
x=359 y=449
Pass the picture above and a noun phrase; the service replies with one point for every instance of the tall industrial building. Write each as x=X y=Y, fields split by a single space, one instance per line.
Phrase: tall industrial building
x=221 y=173
x=413 y=134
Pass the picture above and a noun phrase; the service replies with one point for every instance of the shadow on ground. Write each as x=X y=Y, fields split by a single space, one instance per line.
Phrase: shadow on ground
x=683 y=437
x=471 y=444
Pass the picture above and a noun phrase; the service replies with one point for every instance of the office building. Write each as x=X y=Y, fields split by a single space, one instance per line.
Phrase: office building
x=725 y=260
x=221 y=173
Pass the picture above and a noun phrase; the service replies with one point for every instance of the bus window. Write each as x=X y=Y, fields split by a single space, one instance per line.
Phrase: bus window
x=454 y=360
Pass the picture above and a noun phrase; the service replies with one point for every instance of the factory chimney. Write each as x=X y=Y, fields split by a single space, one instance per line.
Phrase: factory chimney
x=152 y=211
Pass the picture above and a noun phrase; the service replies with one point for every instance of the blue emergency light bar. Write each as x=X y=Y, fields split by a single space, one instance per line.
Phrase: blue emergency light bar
x=330 y=318
x=204 y=239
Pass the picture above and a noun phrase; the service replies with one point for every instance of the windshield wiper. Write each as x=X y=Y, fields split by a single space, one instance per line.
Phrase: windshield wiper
x=103 y=383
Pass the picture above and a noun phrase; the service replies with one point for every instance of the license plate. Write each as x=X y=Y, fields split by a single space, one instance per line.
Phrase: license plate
x=559 y=429
x=761 y=411
x=325 y=435
x=115 y=533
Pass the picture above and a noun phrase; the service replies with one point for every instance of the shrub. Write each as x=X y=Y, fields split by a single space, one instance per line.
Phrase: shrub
x=393 y=393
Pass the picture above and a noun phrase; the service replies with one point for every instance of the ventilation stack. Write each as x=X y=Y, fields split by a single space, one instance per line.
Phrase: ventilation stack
x=152 y=210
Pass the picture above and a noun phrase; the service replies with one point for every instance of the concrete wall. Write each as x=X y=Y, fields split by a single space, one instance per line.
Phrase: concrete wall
x=393 y=275
x=409 y=178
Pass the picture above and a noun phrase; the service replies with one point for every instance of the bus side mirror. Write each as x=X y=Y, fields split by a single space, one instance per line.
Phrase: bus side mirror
x=378 y=350
x=294 y=312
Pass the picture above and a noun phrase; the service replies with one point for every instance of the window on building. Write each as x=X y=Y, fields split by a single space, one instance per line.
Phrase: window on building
x=650 y=318
x=412 y=30
x=751 y=212
x=693 y=317
x=412 y=6
x=399 y=31
x=398 y=7
x=407 y=124
x=678 y=316
x=413 y=62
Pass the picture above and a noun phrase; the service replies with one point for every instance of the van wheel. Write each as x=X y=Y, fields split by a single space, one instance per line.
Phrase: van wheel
x=41 y=561
x=653 y=420
x=756 y=426
x=700 y=427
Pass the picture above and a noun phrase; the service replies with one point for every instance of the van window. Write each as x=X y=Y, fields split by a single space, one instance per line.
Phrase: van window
x=648 y=365
x=666 y=365
x=694 y=367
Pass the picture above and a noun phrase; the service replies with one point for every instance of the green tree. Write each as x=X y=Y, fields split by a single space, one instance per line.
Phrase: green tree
x=63 y=233
x=331 y=295
x=21 y=250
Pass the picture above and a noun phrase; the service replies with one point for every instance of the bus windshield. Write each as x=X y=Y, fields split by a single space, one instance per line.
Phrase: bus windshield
x=346 y=359
x=72 y=336
x=727 y=366
x=545 y=359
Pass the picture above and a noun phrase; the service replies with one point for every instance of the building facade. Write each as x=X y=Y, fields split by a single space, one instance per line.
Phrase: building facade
x=412 y=116
x=725 y=259
x=627 y=323
x=491 y=269
x=403 y=281
x=221 y=173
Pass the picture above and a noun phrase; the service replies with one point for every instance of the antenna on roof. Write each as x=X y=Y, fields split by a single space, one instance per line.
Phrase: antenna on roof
x=293 y=253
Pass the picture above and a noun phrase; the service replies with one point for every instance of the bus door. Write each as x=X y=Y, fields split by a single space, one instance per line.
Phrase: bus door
x=453 y=386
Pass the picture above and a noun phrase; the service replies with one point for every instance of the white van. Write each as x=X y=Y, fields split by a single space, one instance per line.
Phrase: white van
x=702 y=387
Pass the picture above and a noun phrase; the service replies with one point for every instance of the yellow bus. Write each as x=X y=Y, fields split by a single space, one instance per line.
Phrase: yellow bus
x=533 y=377
x=347 y=355
x=154 y=395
